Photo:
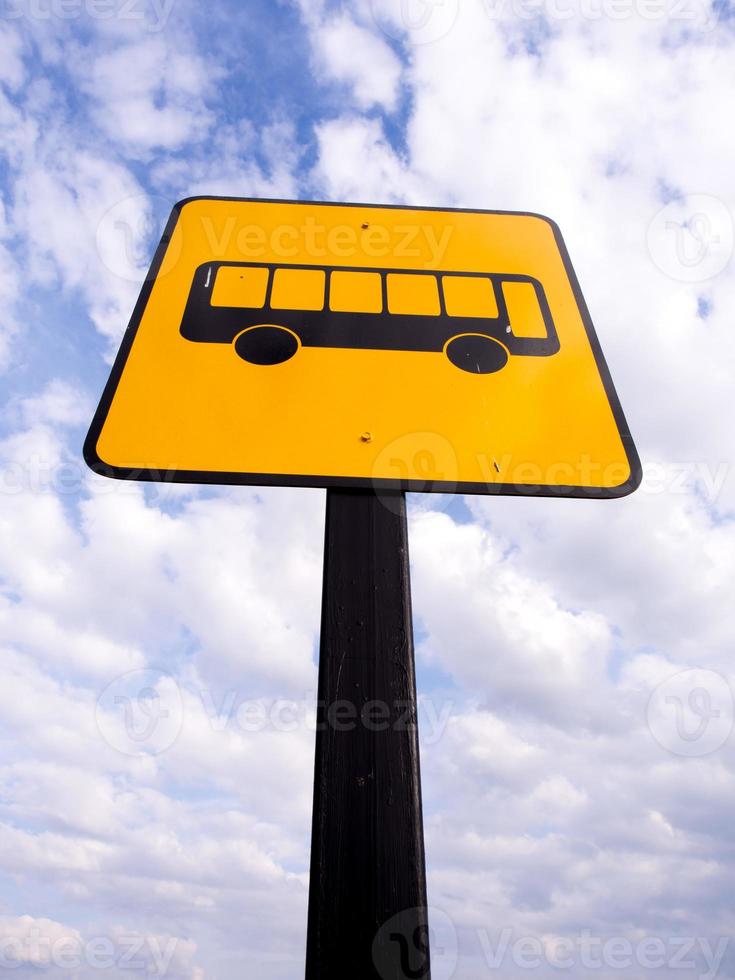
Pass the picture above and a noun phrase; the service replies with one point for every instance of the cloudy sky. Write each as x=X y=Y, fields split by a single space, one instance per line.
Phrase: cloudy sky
x=574 y=657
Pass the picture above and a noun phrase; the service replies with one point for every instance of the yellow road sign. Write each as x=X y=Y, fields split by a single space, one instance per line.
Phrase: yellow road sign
x=307 y=344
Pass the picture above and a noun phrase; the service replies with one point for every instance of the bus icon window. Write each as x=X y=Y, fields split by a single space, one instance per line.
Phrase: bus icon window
x=268 y=312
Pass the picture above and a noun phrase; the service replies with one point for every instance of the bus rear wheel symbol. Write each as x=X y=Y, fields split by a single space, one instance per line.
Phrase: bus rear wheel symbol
x=266 y=345
x=476 y=353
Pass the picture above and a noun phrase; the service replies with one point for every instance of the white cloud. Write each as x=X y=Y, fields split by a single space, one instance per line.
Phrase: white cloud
x=18 y=935
x=9 y=294
x=227 y=165
x=656 y=565
x=149 y=95
x=503 y=632
x=43 y=944
x=12 y=71
x=60 y=203
x=354 y=56
x=356 y=162
x=58 y=404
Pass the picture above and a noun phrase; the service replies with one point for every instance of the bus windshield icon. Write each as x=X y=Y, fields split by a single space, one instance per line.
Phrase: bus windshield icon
x=269 y=311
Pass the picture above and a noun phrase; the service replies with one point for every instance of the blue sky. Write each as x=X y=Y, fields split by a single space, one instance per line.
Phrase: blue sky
x=556 y=640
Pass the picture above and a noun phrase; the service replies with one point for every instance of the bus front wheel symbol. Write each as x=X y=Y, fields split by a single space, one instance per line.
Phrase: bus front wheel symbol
x=266 y=345
x=477 y=353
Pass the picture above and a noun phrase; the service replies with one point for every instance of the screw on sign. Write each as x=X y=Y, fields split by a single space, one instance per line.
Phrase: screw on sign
x=370 y=369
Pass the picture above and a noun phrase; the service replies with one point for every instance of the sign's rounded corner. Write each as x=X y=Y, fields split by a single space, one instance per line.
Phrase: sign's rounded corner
x=630 y=485
x=94 y=461
x=546 y=220
x=186 y=201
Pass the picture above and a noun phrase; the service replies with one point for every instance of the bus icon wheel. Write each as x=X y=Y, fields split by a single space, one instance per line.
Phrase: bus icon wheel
x=266 y=345
x=476 y=353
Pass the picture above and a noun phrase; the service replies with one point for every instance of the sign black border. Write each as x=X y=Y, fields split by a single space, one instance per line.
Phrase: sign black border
x=356 y=483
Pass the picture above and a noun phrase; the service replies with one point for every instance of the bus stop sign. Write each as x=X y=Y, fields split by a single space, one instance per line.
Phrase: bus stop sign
x=361 y=346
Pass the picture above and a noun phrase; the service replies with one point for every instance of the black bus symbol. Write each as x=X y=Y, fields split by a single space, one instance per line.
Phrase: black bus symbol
x=269 y=311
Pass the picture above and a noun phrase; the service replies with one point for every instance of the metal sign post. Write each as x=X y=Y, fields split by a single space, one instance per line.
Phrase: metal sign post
x=367 y=904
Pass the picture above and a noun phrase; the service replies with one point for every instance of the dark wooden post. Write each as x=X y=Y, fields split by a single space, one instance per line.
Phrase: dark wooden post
x=367 y=902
